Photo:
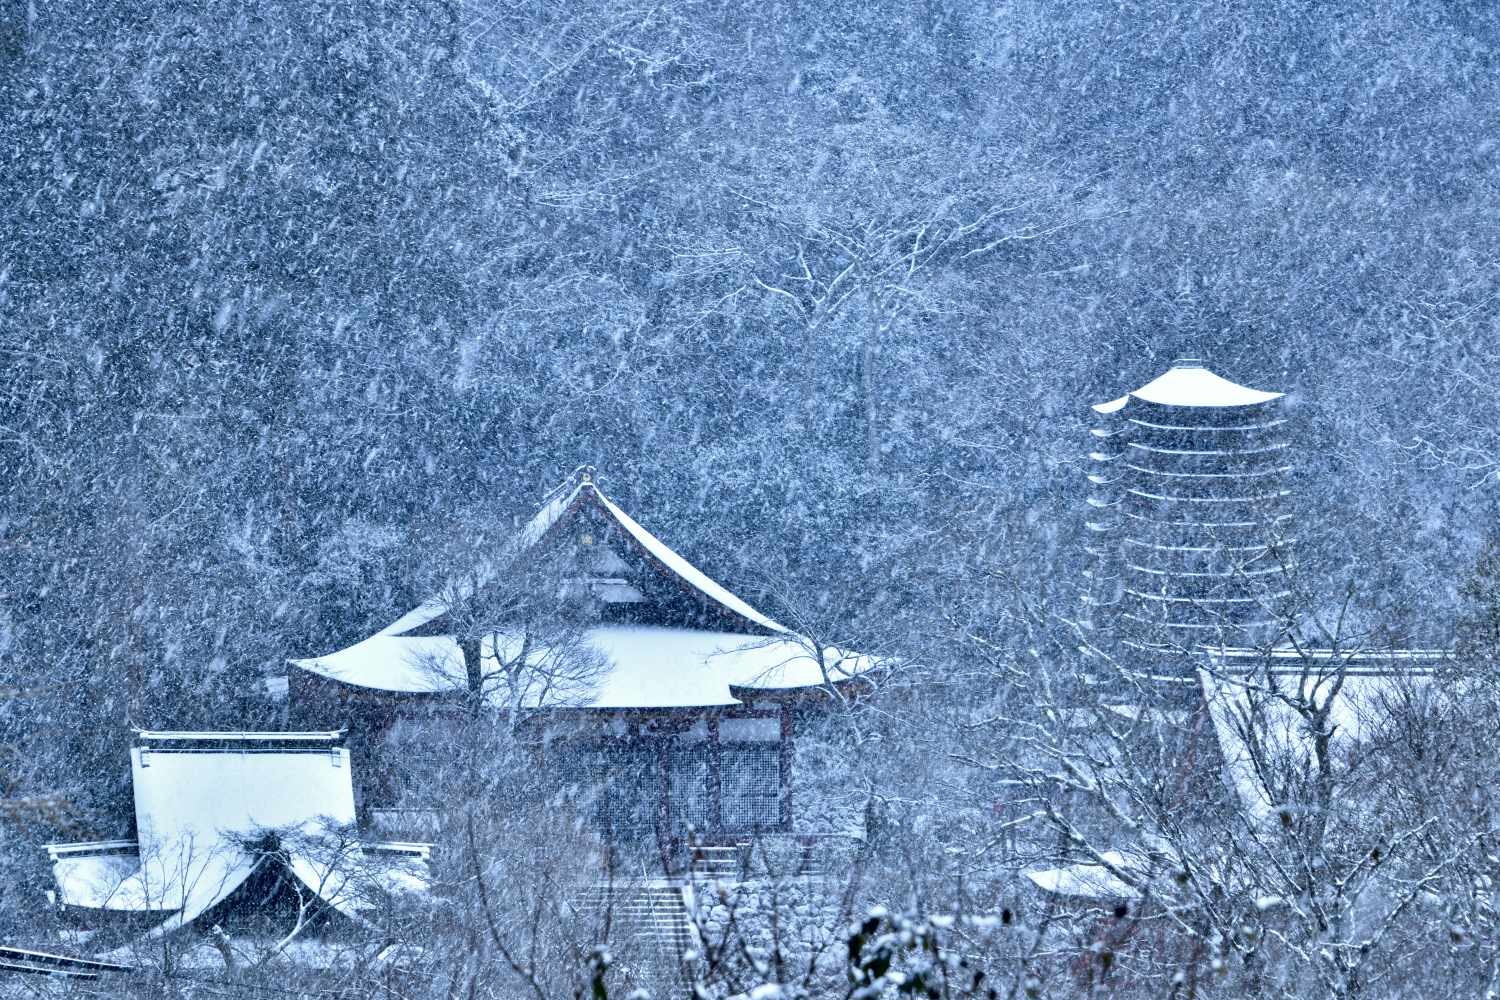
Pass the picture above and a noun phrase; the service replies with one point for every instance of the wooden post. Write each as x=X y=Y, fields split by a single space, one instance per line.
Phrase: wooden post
x=665 y=835
x=473 y=668
x=715 y=779
x=786 y=765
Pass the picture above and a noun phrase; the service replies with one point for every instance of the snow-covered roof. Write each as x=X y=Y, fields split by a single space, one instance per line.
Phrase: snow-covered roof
x=46 y=963
x=193 y=808
x=239 y=737
x=683 y=569
x=106 y=880
x=563 y=501
x=1189 y=383
x=1266 y=742
x=404 y=664
x=1087 y=880
x=1351 y=661
x=558 y=503
x=641 y=666
x=650 y=666
x=205 y=803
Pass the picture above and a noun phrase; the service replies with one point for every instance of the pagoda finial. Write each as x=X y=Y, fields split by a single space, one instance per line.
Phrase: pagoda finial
x=586 y=475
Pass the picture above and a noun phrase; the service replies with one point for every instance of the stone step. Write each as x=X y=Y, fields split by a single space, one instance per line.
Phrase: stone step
x=654 y=911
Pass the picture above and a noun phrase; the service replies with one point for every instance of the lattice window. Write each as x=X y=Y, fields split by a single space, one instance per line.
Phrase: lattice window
x=750 y=782
x=620 y=786
x=617 y=784
x=688 y=770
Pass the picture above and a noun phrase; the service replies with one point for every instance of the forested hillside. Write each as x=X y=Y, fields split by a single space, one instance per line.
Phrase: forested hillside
x=305 y=305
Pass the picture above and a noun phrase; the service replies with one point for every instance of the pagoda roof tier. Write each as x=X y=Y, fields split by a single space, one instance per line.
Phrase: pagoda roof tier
x=726 y=646
x=1260 y=473
x=1232 y=573
x=1189 y=384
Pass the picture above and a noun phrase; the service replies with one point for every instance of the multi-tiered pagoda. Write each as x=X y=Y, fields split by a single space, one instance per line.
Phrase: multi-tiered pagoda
x=1189 y=513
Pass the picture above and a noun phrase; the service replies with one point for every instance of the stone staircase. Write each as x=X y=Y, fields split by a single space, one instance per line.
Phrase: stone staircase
x=648 y=911
x=716 y=863
x=654 y=910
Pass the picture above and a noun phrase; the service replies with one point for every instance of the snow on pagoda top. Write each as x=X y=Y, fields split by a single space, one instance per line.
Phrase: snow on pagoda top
x=644 y=665
x=1189 y=383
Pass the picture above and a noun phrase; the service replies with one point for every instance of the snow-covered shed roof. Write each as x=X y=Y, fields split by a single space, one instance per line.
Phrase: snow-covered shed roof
x=1189 y=383
x=45 y=963
x=213 y=807
x=1260 y=714
x=1089 y=880
x=640 y=665
x=1265 y=743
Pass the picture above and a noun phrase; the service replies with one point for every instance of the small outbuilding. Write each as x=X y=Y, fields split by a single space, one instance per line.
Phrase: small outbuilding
x=234 y=827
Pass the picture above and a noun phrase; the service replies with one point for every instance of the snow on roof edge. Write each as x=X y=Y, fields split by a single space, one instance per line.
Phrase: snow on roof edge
x=1293 y=653
x=1238 y=772
x=533 y=531
x=242 y=736
x=1087 y=880
x=689 y=573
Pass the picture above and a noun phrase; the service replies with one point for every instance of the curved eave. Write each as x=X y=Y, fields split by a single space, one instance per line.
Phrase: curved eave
x=1263 y=425
x=1253 y=498
x=365 y=680
x=1216 y=452
x=1200 y=626
x=372 y=694
x=104 y=878
x=1261 y=547
x=1254 y=474
x=1261 y=523
x=1192 y=386
x=650 y=669
x=1230 y=575
x=684 y=573
x=849 y=675
x=1169 y=599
